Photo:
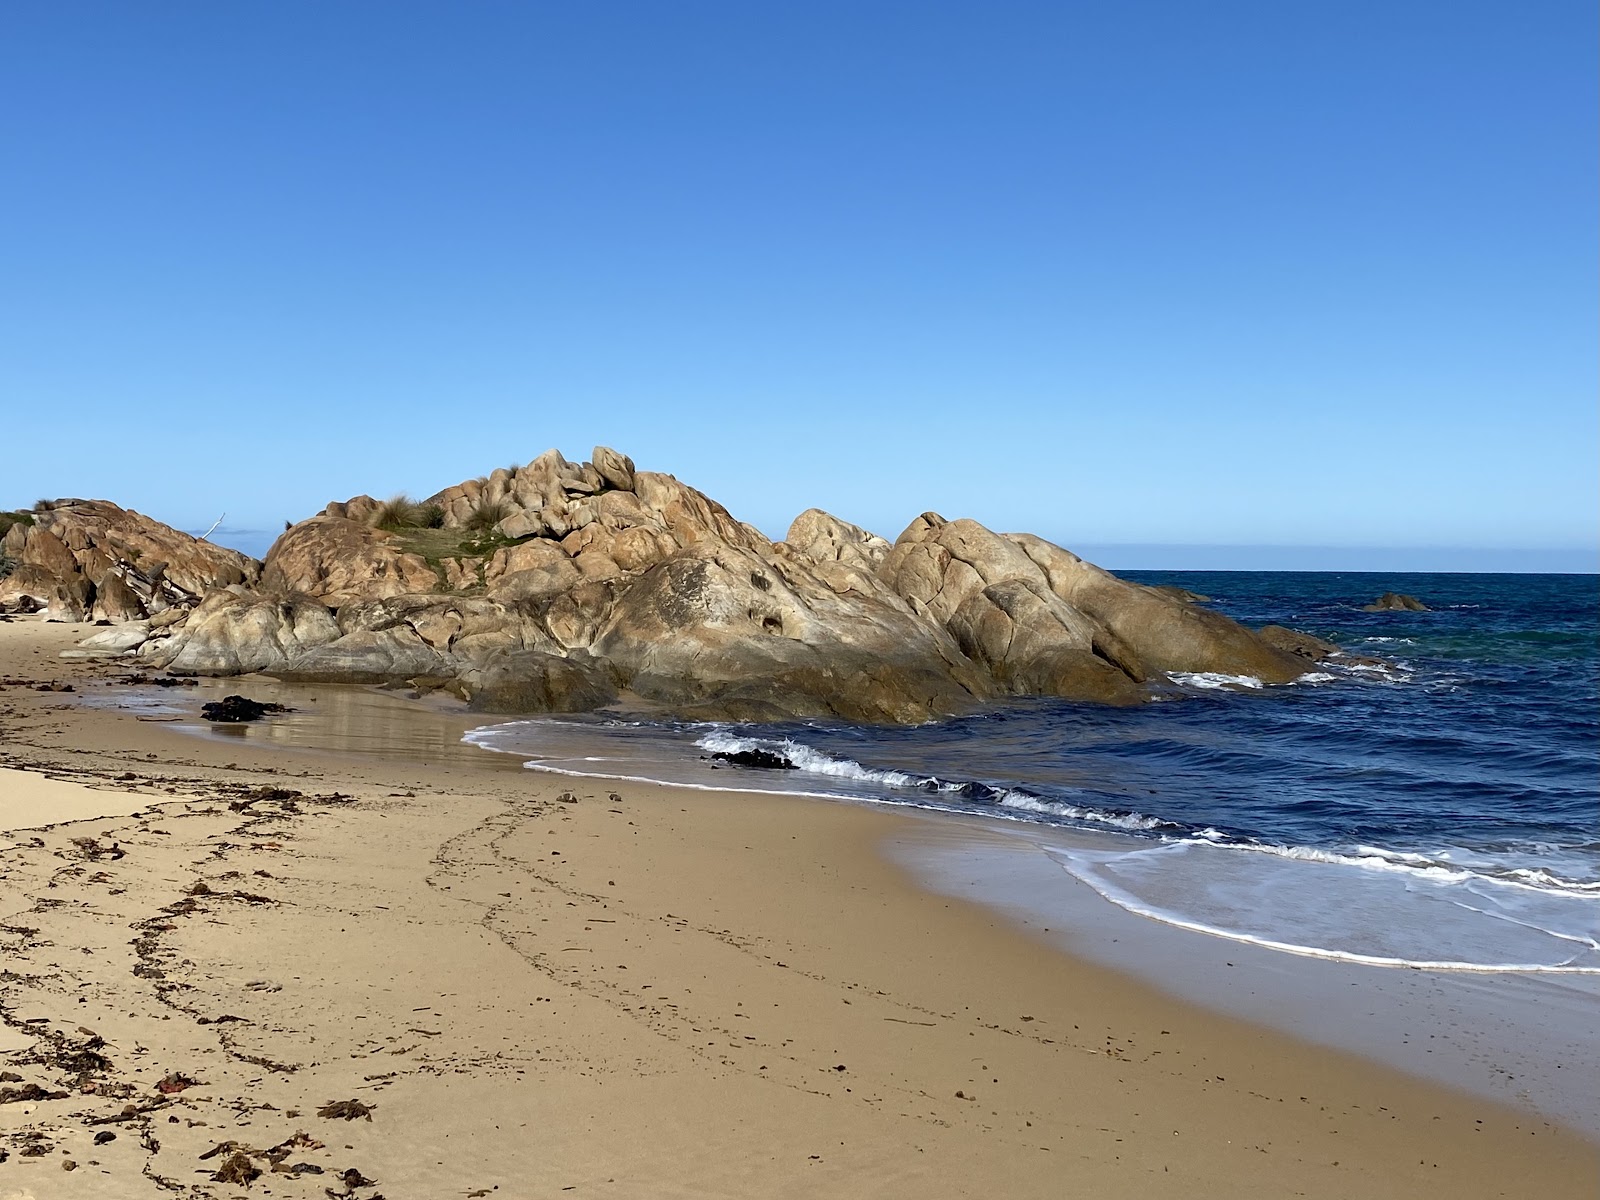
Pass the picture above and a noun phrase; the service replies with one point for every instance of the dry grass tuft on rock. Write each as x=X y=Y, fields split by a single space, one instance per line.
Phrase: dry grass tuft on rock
x=486 y=514
x=397 y=512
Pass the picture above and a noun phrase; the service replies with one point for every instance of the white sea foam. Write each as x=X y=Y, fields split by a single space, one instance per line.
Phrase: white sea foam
x=1387 y=912
x=1027 y=802
x=807 y=758
x=1213 y=680
x=1446 y=908
x=810 y=760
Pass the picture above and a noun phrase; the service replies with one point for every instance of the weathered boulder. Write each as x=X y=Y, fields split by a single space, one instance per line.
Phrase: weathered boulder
x=817 y=537
x=717 y=628
x=1396 y=602
x=29 y=587
x=231 y=634
x=364 y=656
x=1163 y=634
x=337 y=559
x=1035 y=644
x=530 y=681
x=616 y=469
x=119 y=639
x=115 y=601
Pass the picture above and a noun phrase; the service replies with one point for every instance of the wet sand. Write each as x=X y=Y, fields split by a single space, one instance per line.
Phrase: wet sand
x=552 y=986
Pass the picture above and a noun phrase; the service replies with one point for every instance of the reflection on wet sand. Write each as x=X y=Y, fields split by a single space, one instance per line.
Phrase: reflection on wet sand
x=342 y=718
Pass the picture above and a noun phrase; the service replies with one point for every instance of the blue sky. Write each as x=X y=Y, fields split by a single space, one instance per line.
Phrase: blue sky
x=1147 y=272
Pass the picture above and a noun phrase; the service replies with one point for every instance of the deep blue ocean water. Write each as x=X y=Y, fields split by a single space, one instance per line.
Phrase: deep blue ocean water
x=1441 y=810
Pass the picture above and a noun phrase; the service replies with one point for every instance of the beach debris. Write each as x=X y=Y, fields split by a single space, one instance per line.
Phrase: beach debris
x=28 y=1091
x=175 y=1083
x=353 y=1178
x=764 y=760
x=141 y=680
x=91 y=849
x=237 y=1168
x=347 y=1110
x=104 y=1136
x=234 y=709
x=266 y=795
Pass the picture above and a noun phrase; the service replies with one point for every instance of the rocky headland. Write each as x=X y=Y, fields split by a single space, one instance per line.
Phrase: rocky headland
x=564 y=587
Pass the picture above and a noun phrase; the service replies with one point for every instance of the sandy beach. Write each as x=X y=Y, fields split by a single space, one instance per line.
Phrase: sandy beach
x=232 y=968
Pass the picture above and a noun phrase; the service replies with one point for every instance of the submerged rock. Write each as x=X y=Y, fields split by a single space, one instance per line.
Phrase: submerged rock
x=1396 y=602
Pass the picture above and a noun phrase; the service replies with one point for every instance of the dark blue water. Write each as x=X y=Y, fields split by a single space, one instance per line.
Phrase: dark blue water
x=1441 y=808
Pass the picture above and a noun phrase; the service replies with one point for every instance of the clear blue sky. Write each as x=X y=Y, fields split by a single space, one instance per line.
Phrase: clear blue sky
x=1143 y=271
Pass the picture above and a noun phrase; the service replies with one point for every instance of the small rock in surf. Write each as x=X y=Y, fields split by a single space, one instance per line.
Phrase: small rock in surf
x=765 y=759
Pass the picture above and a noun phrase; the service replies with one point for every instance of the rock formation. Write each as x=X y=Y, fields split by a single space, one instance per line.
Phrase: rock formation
x=90 y=560
x=563 y=586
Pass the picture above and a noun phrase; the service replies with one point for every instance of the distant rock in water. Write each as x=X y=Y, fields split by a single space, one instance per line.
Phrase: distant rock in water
x=1396 y=602
x=233 y=709
x=764 y=759
x=573 y=587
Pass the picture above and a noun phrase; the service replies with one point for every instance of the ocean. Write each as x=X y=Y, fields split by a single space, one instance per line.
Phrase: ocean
x=1441 y=810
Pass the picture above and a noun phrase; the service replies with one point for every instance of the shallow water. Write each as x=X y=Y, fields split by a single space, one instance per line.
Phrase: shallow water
x=1438 y=811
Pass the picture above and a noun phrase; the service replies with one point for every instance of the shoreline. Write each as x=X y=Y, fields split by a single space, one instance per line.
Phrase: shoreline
x=778 y=945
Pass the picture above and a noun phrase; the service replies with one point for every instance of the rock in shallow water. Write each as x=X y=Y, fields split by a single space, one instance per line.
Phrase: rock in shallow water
x=233 y=709
x=766 y=760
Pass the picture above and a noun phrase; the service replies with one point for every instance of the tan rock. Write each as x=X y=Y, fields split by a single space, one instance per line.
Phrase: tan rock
x=114 y=600
x=718 y=627
x=818 y=537
x=233 y=635
x=337 y=560
x=614 y=468
x=1166 y=634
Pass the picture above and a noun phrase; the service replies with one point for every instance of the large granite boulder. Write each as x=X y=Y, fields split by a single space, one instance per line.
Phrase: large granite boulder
x=238 y=633
x=336 y=559
x=532 y=681
x=720 y=629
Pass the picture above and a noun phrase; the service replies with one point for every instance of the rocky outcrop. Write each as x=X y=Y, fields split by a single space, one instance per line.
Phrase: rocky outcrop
x=77 y=560
x=1017 y=602
x=564 y=586
x=1396 y=602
